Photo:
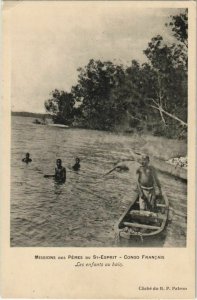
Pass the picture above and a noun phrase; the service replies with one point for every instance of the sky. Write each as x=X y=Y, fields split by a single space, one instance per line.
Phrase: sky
x=50 y=40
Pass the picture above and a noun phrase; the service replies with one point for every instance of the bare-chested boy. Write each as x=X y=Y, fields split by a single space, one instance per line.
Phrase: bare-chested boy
x=27 y=158
x=60 y=171
x=76 y=166
x=147 y=179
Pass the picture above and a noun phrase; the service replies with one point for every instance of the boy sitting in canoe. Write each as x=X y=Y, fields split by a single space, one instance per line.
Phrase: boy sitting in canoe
x=60 y=171
x=147 y=179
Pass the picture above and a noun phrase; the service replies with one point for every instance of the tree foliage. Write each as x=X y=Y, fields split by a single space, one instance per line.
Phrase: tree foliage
x=179 y=27
x=169 y=97
x=61 y=107
x=149 y=96
x=93 y=90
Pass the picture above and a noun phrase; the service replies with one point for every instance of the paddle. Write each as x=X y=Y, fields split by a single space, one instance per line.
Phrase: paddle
x=110 y=171
x=49 y=176
x=118 y=165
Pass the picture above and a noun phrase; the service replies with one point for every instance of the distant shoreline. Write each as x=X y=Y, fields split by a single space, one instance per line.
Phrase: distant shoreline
x=30 y=114
x=130 y=131
x=152 y=145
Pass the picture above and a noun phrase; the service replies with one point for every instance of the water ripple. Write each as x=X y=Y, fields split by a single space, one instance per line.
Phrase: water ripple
x=82 y=212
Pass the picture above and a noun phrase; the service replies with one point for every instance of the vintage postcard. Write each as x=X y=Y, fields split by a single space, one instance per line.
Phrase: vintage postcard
x=98 y=127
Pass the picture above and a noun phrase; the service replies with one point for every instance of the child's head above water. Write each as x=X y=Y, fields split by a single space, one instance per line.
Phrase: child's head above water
x=145 y=160
x=58 y=162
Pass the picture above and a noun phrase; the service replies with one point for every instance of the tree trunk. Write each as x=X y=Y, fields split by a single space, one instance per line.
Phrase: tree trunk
x=169 y=115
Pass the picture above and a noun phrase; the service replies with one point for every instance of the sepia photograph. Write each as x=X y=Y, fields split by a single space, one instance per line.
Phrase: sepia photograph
x=99 y=118
x=98 y=127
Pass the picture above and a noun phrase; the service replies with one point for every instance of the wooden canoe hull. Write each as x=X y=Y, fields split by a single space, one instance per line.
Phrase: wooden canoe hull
x=136 y=223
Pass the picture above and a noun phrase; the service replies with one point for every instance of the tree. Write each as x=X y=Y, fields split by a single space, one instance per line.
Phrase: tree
x=169 y=95
x=179 y=27
x=93 y=90
x=153 y=94
x=61 y=107
x=128 y=96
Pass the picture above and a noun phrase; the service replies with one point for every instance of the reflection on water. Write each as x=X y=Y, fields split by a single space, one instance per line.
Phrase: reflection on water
x=83 y=211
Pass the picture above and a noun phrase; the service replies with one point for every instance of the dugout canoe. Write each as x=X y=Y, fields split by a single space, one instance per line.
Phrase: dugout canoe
x=134 y=222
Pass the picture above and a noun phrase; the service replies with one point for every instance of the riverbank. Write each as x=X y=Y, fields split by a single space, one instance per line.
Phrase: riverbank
x=170 y=169
x=168 y=156
x=161 y=147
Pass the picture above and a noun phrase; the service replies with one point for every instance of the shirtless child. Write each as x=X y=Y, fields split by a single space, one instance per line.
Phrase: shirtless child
x=60 y=171
x=27 y=158
x=76 y=166
x=147 y=179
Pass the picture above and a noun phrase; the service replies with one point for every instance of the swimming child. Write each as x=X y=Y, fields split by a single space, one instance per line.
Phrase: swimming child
x=27 y=158
x=76 y=166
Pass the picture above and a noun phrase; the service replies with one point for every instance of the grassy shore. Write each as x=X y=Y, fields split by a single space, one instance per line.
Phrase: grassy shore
x=162 y=147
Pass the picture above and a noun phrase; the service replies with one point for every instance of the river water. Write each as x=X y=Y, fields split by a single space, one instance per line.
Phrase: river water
x=84 y=211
